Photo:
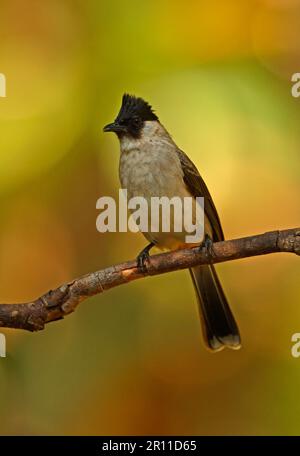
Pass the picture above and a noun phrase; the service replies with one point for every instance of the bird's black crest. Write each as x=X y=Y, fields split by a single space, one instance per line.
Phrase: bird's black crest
x=135 y=107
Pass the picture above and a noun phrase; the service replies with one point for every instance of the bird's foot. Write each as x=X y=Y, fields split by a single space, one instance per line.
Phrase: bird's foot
x=143 y=257
x=207 y=247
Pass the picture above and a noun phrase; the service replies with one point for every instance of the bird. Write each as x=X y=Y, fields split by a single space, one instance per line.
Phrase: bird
x=152 y=165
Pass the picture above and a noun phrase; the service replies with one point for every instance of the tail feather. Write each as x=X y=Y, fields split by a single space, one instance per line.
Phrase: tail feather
x=218 y=323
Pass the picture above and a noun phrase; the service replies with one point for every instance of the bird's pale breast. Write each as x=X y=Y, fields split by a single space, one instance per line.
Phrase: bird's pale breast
x=153 y=169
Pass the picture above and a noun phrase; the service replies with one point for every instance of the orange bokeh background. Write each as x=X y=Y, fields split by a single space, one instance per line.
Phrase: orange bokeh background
x=131 y=361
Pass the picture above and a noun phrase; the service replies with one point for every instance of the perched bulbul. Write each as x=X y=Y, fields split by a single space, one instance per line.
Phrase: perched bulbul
x=151 y=165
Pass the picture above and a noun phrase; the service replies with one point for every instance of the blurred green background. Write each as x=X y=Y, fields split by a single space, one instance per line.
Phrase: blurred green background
x=131 y=361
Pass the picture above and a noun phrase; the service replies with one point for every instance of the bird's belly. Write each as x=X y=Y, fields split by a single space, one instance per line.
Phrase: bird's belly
x=143 y=181
x=148 y=178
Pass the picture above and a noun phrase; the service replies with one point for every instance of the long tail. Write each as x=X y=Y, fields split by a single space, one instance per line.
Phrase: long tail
x=218 y=323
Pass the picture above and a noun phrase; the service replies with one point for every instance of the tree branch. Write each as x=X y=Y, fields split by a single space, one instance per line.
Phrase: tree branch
x=57 y=303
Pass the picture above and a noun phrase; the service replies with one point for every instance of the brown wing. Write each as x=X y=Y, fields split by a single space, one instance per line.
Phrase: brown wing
x=197 y=187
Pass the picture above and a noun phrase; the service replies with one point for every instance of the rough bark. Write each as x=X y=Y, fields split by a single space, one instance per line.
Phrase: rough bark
x=56 y=304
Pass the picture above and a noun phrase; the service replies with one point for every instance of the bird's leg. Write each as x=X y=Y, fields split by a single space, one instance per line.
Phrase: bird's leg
x=143 y=256
x=207 y=247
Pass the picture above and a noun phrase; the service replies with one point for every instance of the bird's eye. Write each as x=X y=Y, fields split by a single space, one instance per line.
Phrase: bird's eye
x=135 y=121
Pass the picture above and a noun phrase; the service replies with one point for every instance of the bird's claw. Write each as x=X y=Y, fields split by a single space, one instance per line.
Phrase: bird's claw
x=143 y=257
x=141 y=261
x=207 y=248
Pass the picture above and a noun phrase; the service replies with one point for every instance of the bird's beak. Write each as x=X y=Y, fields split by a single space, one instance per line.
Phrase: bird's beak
x=115 y=127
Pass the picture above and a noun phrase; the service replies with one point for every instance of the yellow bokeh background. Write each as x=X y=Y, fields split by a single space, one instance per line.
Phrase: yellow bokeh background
x=131 y=361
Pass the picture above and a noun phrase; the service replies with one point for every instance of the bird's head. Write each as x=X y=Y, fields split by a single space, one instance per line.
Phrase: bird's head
x=133 y=114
